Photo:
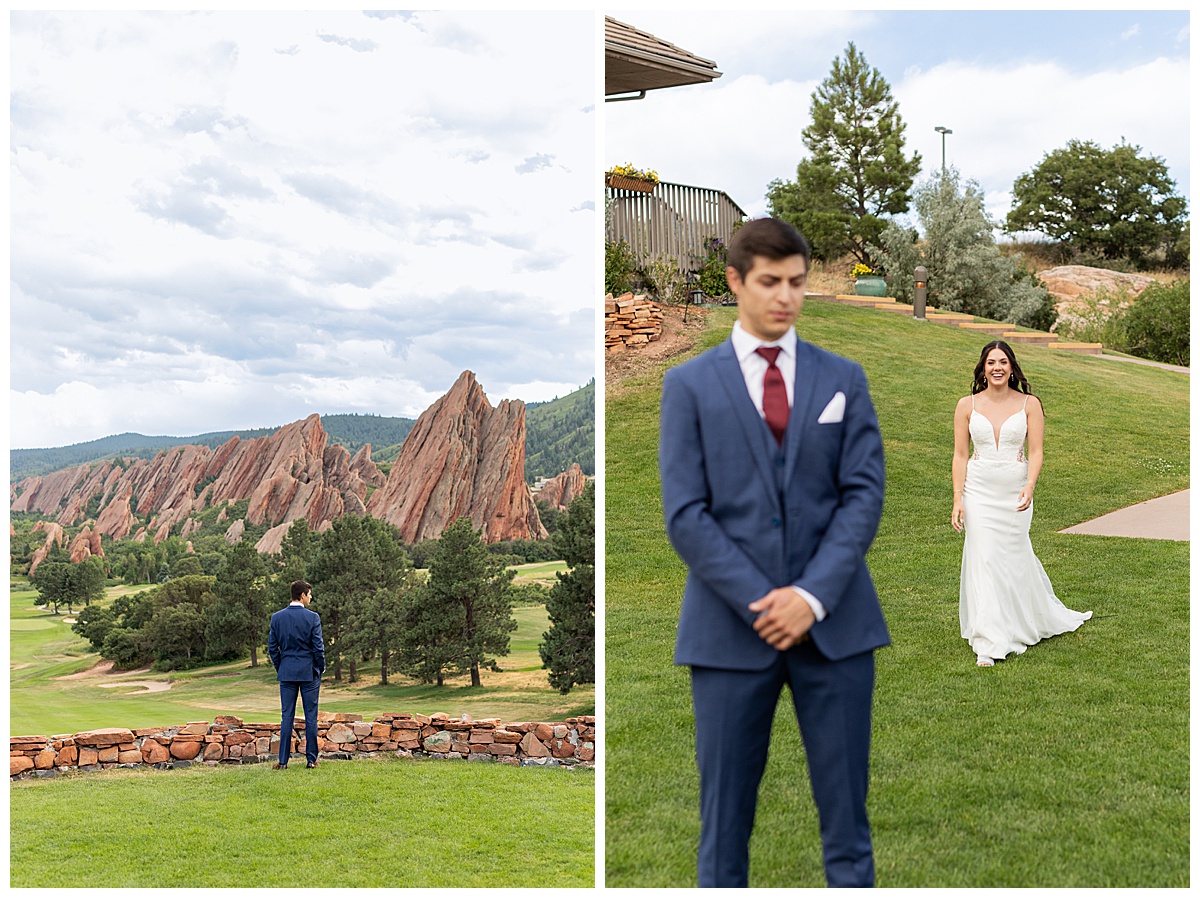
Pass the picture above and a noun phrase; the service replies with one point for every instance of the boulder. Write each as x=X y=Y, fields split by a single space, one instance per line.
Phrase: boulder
x=185 y=751
x=103 y=737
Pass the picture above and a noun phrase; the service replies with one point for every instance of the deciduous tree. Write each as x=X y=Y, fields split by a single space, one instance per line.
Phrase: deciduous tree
x=856 y=171
x=1112 y=203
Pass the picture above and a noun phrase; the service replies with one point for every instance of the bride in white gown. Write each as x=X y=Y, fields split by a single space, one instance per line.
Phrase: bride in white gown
x=1006 y=602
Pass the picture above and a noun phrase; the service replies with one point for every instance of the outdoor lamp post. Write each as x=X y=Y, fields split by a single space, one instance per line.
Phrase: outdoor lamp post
x=921 y=277
x=943 y=130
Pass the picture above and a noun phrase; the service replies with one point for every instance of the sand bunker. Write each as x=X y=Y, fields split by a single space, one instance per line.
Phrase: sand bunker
x=140 y=686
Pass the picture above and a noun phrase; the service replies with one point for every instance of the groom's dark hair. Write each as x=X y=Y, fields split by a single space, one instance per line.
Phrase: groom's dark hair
x=767 y=237
x=299 y=588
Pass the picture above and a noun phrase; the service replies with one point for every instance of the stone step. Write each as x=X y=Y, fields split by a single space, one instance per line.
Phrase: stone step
x=949 y=317
x=984 y=327
x=1085 y=348
x=1030 y=337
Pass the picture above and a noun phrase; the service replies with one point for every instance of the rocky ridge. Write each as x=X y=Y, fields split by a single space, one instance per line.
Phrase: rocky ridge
x=462 y=458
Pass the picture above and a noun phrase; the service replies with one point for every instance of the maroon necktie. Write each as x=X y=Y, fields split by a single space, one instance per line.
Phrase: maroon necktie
x=775 y=401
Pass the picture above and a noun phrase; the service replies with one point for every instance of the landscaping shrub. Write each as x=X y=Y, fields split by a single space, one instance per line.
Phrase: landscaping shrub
x=1158 y=324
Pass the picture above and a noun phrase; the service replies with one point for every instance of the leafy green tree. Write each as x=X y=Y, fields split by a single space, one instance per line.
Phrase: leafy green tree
x=568 y=648
x=50 y=581
x=239 y=618
x=177 y=635
x=1112 y=203
x=126 y=647
x=1158 y=324
x=63 y=583
x=967 y=272
x=86 y=582
x=94 y=624
x=856 y=172
x=186 y=565
x=463 y=573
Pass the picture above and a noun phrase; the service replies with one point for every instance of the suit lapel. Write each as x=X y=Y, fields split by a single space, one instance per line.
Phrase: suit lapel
x=800 y=419
x=759 y=441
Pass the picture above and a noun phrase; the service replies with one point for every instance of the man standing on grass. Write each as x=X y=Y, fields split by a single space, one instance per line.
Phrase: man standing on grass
x=298 y=654
x=772 y=484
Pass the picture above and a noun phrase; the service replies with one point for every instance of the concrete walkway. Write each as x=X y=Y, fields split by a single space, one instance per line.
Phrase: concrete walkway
x=1163 y=518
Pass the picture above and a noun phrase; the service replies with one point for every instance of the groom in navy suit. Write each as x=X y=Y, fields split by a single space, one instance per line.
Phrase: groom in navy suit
x=298 y=653
x=772 y=483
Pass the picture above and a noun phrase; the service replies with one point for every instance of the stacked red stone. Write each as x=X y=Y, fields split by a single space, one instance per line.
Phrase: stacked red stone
x=229 y=740
x=630 y=321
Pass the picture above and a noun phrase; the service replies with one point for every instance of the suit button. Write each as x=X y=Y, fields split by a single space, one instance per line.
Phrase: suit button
x=779 y=462
x=776 y=522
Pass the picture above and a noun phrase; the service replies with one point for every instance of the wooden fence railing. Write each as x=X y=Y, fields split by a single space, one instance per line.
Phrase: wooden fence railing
x=674 y=220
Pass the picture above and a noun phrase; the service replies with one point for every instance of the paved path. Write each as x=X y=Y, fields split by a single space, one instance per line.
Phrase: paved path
x=1121 y=358
x=1163 y=518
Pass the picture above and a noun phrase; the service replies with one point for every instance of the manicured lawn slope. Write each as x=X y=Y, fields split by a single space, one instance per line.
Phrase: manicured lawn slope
x=1066 y=766
x=377 y=824
x=44 y=651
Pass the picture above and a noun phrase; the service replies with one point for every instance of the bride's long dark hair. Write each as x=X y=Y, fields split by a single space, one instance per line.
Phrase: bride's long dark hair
x=1016 y=380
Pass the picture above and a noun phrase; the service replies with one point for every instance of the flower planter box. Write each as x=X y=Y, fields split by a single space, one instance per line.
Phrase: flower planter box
x=870 y=286
x=624 y=182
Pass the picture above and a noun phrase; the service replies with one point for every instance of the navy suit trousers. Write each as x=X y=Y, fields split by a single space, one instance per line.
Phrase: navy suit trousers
x=308 y=692
x=734 y=712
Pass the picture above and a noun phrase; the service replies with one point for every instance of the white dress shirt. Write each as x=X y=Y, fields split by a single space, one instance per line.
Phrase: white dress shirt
x=754 y=370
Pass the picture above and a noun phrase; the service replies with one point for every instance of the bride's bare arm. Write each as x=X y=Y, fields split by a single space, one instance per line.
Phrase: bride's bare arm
x=958 y=469
x=1036 y=421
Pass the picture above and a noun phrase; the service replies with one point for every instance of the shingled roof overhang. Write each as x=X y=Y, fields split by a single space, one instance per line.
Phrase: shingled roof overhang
x=636 y=61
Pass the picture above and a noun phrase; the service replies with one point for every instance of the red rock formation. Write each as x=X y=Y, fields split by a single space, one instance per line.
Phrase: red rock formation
x=84 y=545
x=560 y=491
x=462 y=458
x=54 y=537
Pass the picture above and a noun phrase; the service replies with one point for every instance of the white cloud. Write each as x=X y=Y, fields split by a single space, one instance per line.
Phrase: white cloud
x=194 y=196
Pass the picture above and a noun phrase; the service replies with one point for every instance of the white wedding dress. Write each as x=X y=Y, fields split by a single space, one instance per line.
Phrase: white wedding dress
x=1006 y=602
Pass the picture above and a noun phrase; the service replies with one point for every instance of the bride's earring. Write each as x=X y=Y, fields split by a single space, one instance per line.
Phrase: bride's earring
x=1012 y=381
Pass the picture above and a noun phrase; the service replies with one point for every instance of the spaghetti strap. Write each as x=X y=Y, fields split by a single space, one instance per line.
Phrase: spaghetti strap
x=1025 y=403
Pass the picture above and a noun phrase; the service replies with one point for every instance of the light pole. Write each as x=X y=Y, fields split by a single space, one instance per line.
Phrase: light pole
x=941 y=129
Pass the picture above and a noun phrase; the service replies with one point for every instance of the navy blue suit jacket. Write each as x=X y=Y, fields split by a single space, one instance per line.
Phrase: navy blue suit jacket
x=747 y=515
x=295 y=645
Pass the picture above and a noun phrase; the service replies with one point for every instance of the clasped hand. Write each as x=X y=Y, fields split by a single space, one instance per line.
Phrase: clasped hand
x=784 y=619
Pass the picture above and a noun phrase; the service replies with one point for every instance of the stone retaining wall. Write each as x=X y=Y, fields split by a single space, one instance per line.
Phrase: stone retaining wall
x=630 y=320
x=228 y=740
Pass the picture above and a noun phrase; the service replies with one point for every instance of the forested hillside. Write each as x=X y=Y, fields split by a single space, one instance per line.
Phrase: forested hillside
x=561 y=432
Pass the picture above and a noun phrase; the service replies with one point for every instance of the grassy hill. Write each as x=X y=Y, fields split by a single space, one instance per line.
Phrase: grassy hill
x=1065 y=766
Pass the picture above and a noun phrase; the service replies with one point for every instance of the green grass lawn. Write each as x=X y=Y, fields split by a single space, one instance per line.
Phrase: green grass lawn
x=43 y=651
x=1065 y=766
x=383 y=824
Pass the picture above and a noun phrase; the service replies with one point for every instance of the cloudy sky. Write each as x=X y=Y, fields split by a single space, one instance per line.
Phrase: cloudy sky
x=1012 y=86
x=232 y=220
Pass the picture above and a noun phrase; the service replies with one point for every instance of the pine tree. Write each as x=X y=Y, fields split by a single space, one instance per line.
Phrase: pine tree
x=240 y=617
x=569 y=646
x=856 y=171
x=465 y=574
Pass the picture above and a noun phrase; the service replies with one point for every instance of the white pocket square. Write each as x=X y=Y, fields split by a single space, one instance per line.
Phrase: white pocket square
x=835 y=410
